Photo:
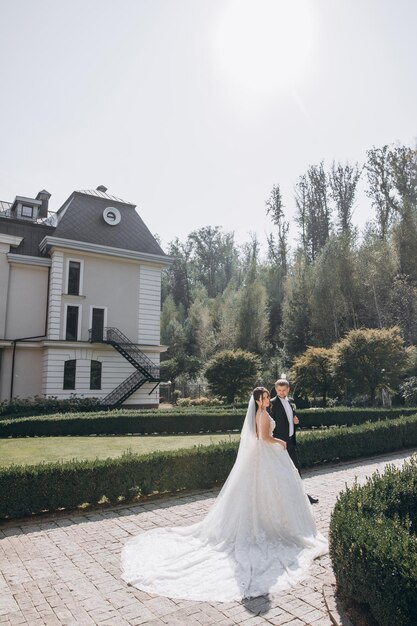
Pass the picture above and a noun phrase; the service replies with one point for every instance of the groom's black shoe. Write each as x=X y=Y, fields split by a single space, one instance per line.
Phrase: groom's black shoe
x=312 y=500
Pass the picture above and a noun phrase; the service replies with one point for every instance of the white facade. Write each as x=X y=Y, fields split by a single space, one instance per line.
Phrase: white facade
x=45 y=324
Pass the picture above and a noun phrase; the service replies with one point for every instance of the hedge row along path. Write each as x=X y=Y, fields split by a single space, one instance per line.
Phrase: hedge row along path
x=66 y=569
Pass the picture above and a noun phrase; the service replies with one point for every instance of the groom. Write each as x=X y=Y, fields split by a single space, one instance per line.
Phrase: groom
x=285 y=421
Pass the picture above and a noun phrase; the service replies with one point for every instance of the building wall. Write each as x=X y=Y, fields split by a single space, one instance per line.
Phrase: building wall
x=115 y=369
x=55 y=295
x=129 y=291
x=149 y=306
x=27 y=379
x=26 y=301
x=4 y=286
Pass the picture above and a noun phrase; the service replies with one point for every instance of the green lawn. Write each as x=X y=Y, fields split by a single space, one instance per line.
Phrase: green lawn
x=32 y=450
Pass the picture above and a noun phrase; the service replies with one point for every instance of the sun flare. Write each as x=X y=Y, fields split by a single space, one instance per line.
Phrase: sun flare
x=264 y=46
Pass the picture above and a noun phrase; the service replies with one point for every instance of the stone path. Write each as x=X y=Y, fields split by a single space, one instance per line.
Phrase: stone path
x=65 y=570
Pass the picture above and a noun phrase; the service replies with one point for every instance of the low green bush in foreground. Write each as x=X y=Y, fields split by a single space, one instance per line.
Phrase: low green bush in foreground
x=25 y=490
x=373 y=545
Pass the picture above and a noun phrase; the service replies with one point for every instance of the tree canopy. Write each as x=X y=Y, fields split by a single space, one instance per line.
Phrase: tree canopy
x=276 y=301
x=231 y=373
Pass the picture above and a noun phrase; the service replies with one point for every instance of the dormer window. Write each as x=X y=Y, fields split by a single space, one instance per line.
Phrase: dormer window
x=27 y=211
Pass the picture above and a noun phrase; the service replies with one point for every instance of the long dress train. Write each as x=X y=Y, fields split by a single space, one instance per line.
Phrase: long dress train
x=258 y=537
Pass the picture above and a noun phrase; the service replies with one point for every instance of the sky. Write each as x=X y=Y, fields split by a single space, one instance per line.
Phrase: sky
x=194 y=109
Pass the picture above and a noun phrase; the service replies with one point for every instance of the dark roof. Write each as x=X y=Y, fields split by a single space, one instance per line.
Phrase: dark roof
x=101 y=194
x=83 y=221
x=31 y=232
x=4 y=208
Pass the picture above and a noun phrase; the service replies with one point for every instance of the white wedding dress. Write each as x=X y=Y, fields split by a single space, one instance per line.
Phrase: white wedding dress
x=258 y=537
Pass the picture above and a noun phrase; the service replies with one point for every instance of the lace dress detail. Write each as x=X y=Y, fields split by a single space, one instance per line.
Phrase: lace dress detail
x=259 y=537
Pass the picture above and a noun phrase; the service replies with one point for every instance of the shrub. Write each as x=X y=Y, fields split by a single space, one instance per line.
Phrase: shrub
x=352 y=442
x=179 y=420
x=27 y=490
x=371 y=358
x=119 y=422
x=231 y=373
x=202 y=401
x=373 y=545
x=30 y=489
x=408 y=391
x=44 y=405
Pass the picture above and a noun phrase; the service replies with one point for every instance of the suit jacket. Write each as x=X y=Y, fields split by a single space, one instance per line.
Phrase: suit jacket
x=282 y=427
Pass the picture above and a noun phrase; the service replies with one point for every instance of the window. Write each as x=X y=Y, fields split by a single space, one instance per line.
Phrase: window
x=97 y=324
x=71 y=330
x=27 y=211
x=95 y=375
x=74 y=273
x=69 y=374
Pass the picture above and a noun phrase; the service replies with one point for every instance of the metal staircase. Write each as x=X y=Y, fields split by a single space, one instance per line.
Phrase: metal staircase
x=146 y=370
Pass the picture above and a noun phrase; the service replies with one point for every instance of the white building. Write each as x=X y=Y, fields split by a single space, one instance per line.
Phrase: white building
x=79 y=300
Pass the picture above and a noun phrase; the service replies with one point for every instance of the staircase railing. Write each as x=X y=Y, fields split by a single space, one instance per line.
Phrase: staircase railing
x=118 y=340
x=146 y=370
x=125 y=389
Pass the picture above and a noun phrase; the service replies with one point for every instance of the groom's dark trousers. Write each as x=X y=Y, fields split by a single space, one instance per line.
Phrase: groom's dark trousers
x=282 y=429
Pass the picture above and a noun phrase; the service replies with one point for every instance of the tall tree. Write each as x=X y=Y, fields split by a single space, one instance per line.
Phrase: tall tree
x=403 y=162
x=275 y=282
x=178 y=275
x=376 y=268
x=225 y=319
x=278 y=246
x=199 y=331
x=313 y=210
x=301 y=202
x=252 y=320
x=277 y=264
x=343 y=181
x=296 y=324
x=381 y=187
x=334 y=301
x=213 y=258
x=403 y=307
x=318 y=217
x=172 y=331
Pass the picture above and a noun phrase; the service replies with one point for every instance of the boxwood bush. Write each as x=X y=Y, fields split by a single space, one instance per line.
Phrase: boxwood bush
x=373 y=545
x=180 y=420
x=31 y=489
x=41 y=405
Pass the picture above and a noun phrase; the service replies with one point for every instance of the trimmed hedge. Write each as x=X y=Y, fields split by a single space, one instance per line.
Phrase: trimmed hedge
x=120 y=423
x=31 y=489
x=187 y=420
x=41 y=405
x=352 y=442
x=373 y=545
x=347 y=416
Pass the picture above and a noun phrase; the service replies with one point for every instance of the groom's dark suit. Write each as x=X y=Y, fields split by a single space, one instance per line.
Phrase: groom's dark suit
x=282 y=428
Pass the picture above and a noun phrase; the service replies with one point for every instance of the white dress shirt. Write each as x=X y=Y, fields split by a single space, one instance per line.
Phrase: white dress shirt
x=289 y=412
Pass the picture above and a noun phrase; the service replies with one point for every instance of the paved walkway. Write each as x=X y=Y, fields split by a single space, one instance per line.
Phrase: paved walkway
x=66 y=570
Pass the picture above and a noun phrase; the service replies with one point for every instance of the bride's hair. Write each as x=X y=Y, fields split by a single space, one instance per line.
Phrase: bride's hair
x=258 y=392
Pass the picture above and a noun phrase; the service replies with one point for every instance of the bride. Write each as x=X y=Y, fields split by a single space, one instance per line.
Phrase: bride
x=258 y=537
